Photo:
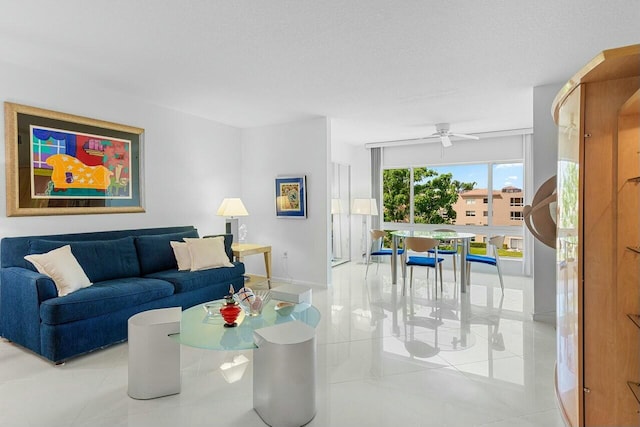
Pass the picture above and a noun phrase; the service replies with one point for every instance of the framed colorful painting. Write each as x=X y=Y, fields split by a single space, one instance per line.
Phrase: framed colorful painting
x=291 y=197
x=61 y=164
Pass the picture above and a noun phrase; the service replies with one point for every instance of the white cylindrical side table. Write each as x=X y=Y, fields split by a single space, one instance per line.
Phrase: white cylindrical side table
x=284 y=374
x=154 y=358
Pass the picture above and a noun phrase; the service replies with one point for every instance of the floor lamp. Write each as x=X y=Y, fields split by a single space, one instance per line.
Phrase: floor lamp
x=336 y=229
x=366 y=208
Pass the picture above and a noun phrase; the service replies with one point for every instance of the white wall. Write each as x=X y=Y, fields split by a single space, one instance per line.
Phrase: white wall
x=190 y=163
x=298 y=148
x=545 y=157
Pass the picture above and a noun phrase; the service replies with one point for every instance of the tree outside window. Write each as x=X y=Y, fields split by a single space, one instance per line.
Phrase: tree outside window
x=434 y=195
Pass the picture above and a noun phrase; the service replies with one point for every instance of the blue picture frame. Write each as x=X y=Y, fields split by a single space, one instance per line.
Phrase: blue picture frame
x=291 y=197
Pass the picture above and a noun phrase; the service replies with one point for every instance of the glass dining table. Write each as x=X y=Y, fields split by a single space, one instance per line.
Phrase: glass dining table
x=463 y=238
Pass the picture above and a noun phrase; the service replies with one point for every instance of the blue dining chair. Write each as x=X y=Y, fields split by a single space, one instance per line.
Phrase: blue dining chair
x=422 y=245
x=448 y=247
x=491 y=258
x=377 y=250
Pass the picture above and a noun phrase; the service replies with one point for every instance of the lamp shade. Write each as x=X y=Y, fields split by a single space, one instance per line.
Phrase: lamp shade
x=232 y=207
x=364 y=207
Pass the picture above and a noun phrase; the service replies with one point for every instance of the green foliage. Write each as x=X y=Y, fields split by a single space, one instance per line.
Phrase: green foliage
x=395 y=195
x=434 y=195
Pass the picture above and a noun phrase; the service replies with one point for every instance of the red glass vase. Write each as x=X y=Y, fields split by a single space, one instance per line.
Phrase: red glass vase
x=230 y=312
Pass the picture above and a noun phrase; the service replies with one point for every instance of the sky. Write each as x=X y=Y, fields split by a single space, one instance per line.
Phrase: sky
x=504 y=174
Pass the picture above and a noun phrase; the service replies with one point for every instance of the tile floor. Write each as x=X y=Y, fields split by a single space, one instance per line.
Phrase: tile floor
x=383 y=360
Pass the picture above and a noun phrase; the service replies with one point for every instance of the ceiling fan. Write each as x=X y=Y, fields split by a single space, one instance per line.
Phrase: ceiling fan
x=442 y=131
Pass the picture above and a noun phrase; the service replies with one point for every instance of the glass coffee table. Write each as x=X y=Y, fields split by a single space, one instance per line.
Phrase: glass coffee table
x=284 y=357
x=200 y=329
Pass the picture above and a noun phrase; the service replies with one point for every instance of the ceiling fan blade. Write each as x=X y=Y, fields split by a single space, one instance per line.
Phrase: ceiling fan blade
x=462 y=135
x=446 y=142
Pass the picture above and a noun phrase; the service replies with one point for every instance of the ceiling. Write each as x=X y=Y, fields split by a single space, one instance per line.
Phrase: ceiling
x=380 y=69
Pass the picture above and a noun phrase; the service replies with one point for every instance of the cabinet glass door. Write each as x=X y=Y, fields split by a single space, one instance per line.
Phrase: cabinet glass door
x=569 y=293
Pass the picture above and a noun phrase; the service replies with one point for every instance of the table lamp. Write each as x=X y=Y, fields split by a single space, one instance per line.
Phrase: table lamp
x=232 y=208
x=366 y=208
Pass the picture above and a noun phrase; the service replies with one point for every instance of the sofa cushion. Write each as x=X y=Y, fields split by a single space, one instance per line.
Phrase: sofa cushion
x=102 y=298
x=100 y=259
x=185 y=281
x=155 y=252
x=207 y=253
x=228 y=241
x=62 y=267
x=183 y=257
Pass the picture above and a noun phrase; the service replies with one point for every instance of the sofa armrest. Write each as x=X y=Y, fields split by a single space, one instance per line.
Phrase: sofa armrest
x=21 y=293
x=17 y=276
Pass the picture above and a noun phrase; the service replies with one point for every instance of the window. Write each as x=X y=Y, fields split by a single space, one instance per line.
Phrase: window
x=507 y=193
x=44 y=146
x=451 y=194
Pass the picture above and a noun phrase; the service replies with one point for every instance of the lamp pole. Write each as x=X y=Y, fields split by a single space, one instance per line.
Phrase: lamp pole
x=366 y=208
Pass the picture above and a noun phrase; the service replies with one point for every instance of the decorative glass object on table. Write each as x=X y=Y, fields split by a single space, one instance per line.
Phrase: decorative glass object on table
x=230 y=310
x=284 y=308
x=213 y=308
x=252 y=302
x=242 y=233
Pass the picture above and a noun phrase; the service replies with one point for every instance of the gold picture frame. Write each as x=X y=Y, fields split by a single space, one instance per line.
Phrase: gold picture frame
x=63 y=164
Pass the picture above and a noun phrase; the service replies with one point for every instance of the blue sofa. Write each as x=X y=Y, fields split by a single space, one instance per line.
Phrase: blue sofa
x=131 y=271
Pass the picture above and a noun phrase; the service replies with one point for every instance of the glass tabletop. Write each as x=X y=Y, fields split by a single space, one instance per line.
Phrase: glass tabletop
x=202 y=330
x=440 y=235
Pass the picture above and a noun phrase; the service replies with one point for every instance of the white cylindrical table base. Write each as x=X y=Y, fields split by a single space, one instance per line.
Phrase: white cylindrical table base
x=154 y=358
x=284 y=374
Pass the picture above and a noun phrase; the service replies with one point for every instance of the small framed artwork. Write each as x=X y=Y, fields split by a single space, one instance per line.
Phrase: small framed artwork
x=291 y=197
x=61 y=164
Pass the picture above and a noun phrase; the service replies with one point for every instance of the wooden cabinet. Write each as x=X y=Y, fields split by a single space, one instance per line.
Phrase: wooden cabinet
x=598 y=281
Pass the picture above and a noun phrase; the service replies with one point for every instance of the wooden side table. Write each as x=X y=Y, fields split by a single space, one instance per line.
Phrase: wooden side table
x=241 y=250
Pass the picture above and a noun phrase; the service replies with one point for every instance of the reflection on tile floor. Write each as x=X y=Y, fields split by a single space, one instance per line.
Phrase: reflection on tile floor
x=471 y=359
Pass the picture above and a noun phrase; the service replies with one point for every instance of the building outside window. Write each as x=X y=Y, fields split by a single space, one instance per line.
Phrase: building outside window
x=507 y=183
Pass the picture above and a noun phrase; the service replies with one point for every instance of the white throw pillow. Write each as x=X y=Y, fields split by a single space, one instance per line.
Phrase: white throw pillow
x=207 y=253
x=63 y=268
x=183 y=257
